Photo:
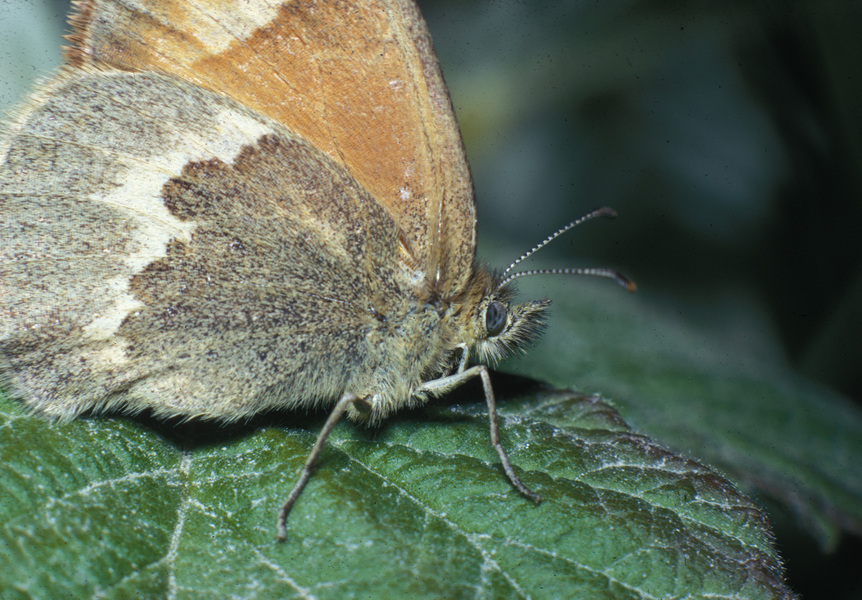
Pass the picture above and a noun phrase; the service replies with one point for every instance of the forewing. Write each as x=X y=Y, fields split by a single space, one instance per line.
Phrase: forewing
x=359 y=81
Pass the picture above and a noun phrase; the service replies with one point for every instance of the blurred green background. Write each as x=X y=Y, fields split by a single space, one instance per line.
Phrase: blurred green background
x=727 y=134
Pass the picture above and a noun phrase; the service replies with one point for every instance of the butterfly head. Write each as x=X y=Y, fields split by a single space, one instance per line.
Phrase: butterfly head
x=500 y=327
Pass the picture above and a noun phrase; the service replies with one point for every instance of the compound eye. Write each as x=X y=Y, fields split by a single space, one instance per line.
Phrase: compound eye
x=495 y=318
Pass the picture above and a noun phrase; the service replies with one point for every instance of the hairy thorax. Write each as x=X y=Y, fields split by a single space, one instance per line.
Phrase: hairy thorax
x=402 y=354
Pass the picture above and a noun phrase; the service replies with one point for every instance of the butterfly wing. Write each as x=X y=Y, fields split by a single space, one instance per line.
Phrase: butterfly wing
x=358 y=81
x=166 y=248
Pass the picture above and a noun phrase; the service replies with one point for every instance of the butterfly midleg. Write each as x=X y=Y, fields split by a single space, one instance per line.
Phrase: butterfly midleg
x=345 y=401
x=440 y=386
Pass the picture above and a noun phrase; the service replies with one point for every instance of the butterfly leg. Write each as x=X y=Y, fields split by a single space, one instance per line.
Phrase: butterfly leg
x=440 y=386
x=345 y=401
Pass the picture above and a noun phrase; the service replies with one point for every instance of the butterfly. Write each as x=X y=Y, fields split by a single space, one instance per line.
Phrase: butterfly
x=222 y=208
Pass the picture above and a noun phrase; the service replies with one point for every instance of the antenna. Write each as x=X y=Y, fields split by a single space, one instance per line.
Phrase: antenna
x=603 y=272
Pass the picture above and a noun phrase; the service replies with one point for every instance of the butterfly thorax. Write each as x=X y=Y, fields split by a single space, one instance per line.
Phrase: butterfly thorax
x=429 y=341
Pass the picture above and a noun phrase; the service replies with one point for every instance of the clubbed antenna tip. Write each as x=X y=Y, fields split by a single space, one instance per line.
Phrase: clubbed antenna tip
x=606 y=212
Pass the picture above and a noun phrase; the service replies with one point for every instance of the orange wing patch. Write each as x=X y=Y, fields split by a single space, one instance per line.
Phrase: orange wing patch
x=363 y=85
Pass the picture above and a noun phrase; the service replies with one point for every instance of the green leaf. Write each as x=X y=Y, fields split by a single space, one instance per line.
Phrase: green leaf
x=719 y=392
x=111 y=508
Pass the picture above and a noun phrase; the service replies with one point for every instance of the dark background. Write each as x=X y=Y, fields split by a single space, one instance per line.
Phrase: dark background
x=727 y=134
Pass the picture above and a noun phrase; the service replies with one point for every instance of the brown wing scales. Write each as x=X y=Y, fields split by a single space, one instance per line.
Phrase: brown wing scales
x=375 y=103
